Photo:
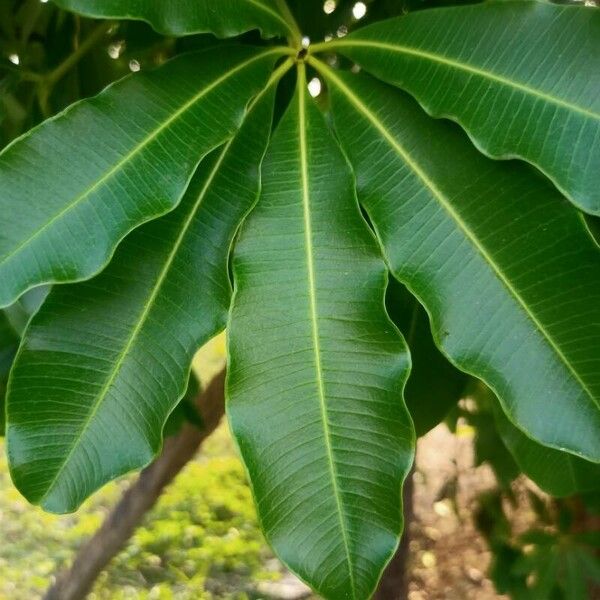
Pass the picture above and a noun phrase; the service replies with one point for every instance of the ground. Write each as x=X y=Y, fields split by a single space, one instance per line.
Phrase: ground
x=202 y=540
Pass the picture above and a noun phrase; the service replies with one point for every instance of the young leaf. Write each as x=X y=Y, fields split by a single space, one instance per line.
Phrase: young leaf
x=71 y=189
x=317 y=368
x=105 y=361
x=521 y=77
x=505 y=267
x=226 y=18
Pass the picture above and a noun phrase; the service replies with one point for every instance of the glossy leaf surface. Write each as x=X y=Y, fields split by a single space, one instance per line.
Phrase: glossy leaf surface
x=503 y=264
x=72 y=188
x=224 y=18
x=317 y=368
x=534 y=96
x=105 y=361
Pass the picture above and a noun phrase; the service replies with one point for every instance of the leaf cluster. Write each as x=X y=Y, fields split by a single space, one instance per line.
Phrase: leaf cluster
x=448 y=153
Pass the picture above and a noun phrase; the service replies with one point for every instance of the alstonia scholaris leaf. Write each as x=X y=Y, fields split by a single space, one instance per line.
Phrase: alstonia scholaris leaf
x=105 y=361
x=316 y=368
x=521 y=77
x=224 y=18
x=73 y=187
x=503 y=264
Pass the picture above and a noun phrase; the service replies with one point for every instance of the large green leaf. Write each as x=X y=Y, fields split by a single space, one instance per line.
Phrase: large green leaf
x=434 y=385
x=76 y=185
x=317 y=368
x=521 y=77
x=556 y=472
x=105 y=361
x=504 y=265
x=9 y=342
x=224 y=18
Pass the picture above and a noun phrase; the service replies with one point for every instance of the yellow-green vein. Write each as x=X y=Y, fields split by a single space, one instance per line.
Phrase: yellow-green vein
x=159 y=283
x=312 y=293
x=330 y=75
x=147 y=140
x=456 y=65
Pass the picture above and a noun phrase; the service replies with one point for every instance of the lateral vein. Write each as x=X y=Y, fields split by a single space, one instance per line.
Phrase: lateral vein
x=129 y=156
x=445 y=203
x=464 y=67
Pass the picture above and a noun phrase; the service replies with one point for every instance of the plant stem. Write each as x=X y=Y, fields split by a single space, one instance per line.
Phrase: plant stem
x=47 y=82
x=61 y=70
x=323 y=47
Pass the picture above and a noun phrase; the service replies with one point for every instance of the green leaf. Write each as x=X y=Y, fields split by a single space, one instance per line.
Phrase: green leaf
x=104 y=362
x=225 y=18
x=521 y=77
x=558 y=473
x=434 y=385
x=593 y=225
x=317 y=368
x=72 y=188
x=505 y=267
x=9 y=342
x=547 y=573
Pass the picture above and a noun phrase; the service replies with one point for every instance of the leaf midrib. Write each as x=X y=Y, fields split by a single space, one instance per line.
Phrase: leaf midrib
x=438 y=58
x=447 y=206
x=277 y=74
x=140 y=322
x=314 y=315
x=138 y=148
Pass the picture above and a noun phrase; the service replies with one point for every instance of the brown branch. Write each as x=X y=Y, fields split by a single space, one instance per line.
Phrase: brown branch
x=112 y=536
x=396 y=577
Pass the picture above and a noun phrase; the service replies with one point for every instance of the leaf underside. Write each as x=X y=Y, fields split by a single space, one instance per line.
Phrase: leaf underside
x=105 y=361
x=517 y=94
x=144 y=137
x=504 y=266
x=316 y=367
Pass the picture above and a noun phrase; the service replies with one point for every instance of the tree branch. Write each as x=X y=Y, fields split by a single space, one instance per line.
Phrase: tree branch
x=118 y=527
